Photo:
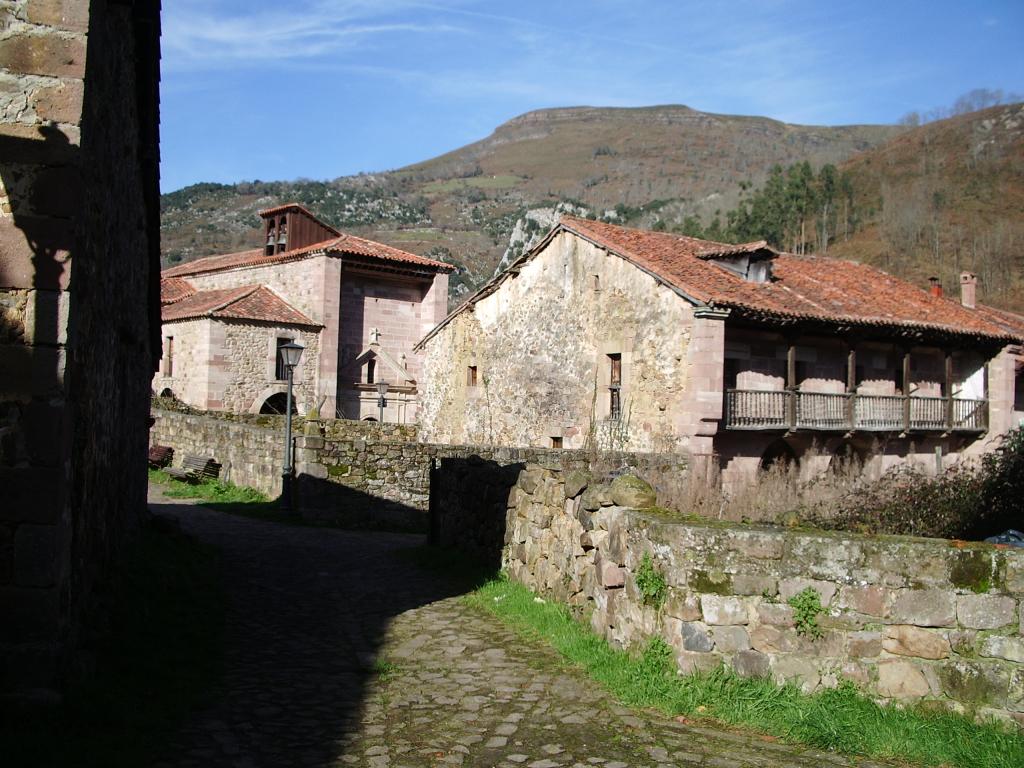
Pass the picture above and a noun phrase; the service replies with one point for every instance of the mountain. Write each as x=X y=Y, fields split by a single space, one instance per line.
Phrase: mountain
x=944 y=197
x=462 y=206
x=929 y=200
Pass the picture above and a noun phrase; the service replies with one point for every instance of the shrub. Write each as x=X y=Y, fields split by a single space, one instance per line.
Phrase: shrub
x=650 y=581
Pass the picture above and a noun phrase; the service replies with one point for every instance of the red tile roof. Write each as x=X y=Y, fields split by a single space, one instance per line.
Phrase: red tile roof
x=1010 y=322
x=174 y=289
x=802 y=288
x=342 y=245
x=247 y=302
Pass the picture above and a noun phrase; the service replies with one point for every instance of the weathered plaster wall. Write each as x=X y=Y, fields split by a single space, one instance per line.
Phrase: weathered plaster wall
x=79 y=251
x=540 y=345
x=906 y=619
x=186 y=361
x=300 y=283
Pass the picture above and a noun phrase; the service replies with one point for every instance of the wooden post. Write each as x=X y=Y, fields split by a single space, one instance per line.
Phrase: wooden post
x=949 y=390
x=791 y=383
x=906 y=390
x=851 y=385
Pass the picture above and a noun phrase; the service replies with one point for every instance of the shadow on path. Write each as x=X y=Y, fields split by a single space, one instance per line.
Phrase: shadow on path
x=307 y=610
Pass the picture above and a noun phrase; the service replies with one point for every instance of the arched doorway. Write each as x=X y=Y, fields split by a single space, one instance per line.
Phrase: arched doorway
x=847 y=456
x=779 y=455
x=277 y=404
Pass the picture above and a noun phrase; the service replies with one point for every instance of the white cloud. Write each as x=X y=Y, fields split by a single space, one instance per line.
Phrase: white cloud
x=196 y=36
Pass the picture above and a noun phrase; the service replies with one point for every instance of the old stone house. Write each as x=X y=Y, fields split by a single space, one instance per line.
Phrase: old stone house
x=357 y=306
x=608 y=337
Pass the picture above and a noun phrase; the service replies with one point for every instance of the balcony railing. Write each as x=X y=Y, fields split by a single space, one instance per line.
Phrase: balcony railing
x=787 y=410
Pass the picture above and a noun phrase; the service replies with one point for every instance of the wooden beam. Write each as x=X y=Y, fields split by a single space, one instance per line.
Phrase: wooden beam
x=948 y=391
x=906 y=390
x=791 y=383
x=851 y=384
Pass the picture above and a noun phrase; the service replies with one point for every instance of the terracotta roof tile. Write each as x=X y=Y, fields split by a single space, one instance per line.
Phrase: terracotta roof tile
x=174 y=289
x=247 y=302
x=344 y=244
x=1010 y=322
x=803 y=287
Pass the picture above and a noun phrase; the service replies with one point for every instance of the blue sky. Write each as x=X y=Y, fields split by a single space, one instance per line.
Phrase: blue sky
x=324 y=88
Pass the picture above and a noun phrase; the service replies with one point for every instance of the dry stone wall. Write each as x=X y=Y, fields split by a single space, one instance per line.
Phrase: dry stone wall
x=906 y=619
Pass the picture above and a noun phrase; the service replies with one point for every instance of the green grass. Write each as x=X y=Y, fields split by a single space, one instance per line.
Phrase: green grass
x=224 y=497
x=251 y=503
x=841 y=719
x=158 y=656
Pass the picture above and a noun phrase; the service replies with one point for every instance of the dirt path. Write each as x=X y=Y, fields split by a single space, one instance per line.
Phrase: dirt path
x=341 y=652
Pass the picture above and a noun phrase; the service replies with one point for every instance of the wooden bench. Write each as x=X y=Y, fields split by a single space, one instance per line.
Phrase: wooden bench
x=195 y=469
x=160 y=456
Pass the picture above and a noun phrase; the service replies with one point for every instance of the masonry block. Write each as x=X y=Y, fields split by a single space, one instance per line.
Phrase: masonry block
x=43 y=55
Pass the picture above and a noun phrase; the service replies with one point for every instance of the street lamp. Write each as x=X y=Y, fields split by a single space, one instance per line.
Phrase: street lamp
x=382 y=393
x=290 y=353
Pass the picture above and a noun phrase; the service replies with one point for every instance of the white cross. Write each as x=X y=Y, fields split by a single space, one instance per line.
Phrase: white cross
x=375 y=336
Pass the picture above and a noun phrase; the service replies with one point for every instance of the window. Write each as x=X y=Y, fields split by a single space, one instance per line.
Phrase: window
x=282 y=235
x=615 y=386
x=280 y=372
x=169 y=362
x=371 y=370
x=471 y=376
x=597 y=283
x=556 y=442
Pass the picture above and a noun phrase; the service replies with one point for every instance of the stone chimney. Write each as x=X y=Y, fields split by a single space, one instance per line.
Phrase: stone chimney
x=934 y=287
x=968 y=289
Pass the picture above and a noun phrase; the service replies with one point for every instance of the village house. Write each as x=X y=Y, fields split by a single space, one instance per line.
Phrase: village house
x=357 y=306
x=615 y=338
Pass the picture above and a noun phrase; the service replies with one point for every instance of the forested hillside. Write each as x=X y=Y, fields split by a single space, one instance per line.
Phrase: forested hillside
x=917 y=201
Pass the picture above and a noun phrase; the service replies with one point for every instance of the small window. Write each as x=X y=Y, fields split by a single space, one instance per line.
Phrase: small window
x=615 y=386
x=556 y=442
x=280 y=372
x=371 y=370
x=597 y=283
x=169 y=362
x=471 y=376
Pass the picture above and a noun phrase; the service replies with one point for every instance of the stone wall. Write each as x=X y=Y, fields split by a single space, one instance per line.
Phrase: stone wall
x=363 y=472
x=907 y=619
x=79 y=315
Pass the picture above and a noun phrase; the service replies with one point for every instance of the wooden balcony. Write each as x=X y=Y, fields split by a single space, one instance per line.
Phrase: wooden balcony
x=788 y=410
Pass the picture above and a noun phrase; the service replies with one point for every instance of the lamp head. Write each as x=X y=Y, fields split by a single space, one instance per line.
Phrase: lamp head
x=291 y=353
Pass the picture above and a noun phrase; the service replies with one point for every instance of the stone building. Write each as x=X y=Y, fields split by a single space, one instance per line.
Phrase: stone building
x=79 y=317
x=357 y=306
x=609 y=337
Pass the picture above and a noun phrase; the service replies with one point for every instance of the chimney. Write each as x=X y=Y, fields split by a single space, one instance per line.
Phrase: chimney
x=935 y=287
x=968 y=289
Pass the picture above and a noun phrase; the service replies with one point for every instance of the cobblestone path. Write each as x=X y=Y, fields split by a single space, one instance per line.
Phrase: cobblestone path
x=341 y=652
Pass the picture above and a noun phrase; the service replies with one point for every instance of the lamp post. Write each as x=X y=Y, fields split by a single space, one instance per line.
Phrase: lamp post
x=382 y=393
x=291 y=353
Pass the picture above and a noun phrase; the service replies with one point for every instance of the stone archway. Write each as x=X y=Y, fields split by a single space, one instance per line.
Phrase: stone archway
x=276 y=393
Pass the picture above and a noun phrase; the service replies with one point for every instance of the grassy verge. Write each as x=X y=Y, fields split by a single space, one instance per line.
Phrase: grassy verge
x=842 y=719
x=157 y=658
x=225 y=497
x=248 y=502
